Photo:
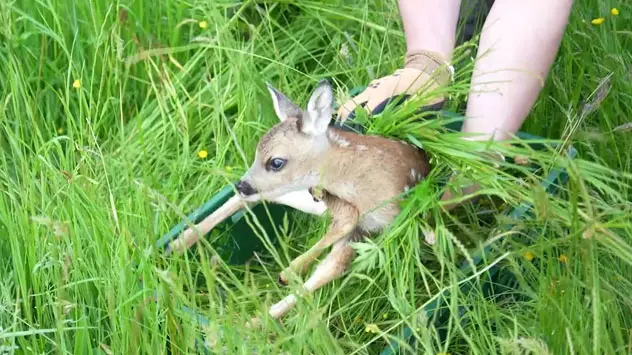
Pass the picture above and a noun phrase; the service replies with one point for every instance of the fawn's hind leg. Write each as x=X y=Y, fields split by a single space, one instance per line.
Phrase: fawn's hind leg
x=331 y=268
x=344 y=221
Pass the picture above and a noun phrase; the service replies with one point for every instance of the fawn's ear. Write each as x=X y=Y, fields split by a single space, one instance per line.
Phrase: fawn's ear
x=319 y=110
x=283 y=106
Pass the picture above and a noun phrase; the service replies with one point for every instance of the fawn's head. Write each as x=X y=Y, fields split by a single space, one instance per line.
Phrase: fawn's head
x=289 y=156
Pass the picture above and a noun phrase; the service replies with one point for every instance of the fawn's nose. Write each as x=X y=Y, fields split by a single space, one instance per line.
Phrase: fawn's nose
x=245 y=188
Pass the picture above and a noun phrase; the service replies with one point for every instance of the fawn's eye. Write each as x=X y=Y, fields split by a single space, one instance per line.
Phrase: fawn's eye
x=275 y=164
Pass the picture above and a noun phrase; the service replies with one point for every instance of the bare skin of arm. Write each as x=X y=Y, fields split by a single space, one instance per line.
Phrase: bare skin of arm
x=518 y=44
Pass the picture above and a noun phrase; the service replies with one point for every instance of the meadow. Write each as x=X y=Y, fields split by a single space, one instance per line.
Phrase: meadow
x=118 y=118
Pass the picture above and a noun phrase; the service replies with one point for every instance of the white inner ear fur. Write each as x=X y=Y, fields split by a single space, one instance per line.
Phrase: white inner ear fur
x=319 y=110
x=283 y=107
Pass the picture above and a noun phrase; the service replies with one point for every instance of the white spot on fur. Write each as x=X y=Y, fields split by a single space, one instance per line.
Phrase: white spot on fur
x=338 y=140
x=343 y=143
x=415 y=175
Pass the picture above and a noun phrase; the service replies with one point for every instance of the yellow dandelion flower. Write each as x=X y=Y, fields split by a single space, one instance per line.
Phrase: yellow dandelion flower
x=598 y=21
x=563 y=258
x=76 y=84
x=60 y=130
x=202 y=154
x=373 y=328
x=614 y=11
x=528 y=255
x=203 y=24
x=228 y=168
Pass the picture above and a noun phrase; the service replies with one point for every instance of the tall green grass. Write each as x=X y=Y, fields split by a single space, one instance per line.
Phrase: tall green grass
x=92 y=176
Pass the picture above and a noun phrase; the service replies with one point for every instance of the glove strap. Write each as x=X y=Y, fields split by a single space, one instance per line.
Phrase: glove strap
x=431 y=63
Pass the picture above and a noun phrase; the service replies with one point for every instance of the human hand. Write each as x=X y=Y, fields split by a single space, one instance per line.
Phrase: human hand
x=422 y=71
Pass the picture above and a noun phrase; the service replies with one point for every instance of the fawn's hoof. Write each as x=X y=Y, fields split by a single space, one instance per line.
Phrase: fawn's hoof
x=282 y=280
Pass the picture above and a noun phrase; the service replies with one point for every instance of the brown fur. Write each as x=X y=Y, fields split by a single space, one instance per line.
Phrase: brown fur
x=372 y=177
x=361 y=178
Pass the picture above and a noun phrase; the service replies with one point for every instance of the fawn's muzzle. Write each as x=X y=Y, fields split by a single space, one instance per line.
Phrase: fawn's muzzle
x=245 y=188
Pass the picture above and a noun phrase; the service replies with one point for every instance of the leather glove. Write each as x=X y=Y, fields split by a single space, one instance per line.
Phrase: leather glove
x=422 y=71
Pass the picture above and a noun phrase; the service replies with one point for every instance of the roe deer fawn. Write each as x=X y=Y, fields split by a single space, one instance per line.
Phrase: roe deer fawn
x=360 y=176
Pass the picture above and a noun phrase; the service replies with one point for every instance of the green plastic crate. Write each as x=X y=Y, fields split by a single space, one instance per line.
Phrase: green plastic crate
x=243 y=241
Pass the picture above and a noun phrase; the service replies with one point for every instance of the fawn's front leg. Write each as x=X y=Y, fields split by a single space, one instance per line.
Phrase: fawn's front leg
x=344 y=221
